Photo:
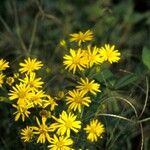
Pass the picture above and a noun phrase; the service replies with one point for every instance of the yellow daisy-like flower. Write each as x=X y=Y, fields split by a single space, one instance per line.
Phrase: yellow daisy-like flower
x=93 y=56
x=65 y=123
x=81 y=37
x=42 y=130
x=1 y=79
x=77 y=99
x=75 y=60
x=94 y=130
x=108 y=53
x=88 y=86
x=60 y=143
x=3 y=64
x=36 y=98
x=49 y=102
x=20 y=92
x=22 y=111
x=10 y=81
x=33 y=82
x=27 y=134
x=30 y=65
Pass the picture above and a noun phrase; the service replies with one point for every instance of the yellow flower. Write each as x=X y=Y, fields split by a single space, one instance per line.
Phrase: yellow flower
x=108 y=53
x=49 y=102
x=94 y=130
x=75 y=60
x=1 y=79
x=93 y=56
x=33 y=82
x=36 y=98
x=30 y=65
x=65 y=123
x=60 y=143
x=27 y=134
x=3 y=64
x=20 y=92
x=76 y=99
x=81 y=37
x=10 y=81
x=88 y=86
x=22 y=111
x=42 y=130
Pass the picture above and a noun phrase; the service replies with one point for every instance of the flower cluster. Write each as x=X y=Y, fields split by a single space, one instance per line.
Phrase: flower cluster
x=86 y=56
x=54 y=125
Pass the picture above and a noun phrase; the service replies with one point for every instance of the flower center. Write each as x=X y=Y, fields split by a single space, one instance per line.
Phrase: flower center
x=60 y=144
x=68 y=124
x=22 y=94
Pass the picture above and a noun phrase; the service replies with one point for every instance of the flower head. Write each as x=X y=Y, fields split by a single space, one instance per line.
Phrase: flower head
x=108 y=53
x=30 y=65
x=27 y=134
x=81 y=37
x=10 y=81
x=77 y=99
x=36 y=98
x=75 y=60
x=1 y=79
x=65 y=123
x=3 y=64
x=88 y=86
x=93 y=56
x=22 y=111
x=49 y=102
x=94 y=130
x=60 y=143
x=31 y=81
x=20 y=92
x=42 y=130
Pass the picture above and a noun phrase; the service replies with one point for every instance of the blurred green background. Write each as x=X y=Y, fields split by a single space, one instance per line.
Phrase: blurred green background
x=35 y=27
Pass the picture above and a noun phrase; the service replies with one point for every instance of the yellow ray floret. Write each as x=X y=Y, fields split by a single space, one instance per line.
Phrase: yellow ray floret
x=77 y=99
x=60 y=143
x=81 y=37
x=108 y=53
x=1 y=79
x=94 y=130
x=65 y=123
x=85 y=85
x=30 y=65
x=75 y=60
x=3 y=64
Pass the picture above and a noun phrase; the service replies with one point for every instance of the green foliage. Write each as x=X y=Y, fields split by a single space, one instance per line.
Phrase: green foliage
x=146 y=57
x=35 y=27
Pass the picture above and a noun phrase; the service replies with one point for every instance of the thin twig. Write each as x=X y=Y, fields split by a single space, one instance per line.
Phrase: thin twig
x=33 y=32
x=117 y=116
x=125 y=100
x=144 y=120
x=146 y=98
x=142 y=136
x=44 y=14
x=18 y=30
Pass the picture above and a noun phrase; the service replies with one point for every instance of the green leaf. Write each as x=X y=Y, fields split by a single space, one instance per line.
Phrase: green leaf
x=103 y=75
x=146 y=56
x=126 y=80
